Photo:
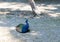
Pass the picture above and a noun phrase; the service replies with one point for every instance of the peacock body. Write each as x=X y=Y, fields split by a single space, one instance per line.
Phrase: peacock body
x=23 y=28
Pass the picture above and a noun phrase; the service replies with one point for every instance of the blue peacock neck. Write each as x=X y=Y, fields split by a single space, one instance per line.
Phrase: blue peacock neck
x=27 y=22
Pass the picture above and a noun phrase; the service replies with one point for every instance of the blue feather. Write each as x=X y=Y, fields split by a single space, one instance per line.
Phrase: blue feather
x=25 y=27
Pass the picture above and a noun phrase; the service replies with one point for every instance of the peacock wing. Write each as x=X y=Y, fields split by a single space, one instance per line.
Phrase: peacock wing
x=20 y=26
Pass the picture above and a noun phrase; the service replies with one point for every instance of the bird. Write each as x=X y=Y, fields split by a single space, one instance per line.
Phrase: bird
x=23 y=28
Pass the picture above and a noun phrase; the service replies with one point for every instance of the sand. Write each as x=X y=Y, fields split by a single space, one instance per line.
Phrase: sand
x=45 y=28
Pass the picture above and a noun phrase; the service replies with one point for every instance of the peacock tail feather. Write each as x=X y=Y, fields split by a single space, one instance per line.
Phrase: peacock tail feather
x=20 y=26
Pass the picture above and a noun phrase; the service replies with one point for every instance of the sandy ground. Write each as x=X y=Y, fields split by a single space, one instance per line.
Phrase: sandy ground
x=45 y=29
x=5 y=36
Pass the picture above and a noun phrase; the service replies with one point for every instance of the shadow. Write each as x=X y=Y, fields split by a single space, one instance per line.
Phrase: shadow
x=16 y=14
x=25 y=36
x=23 y=1
x=20 y=12
x=11 y=19
x=55 y=9
x=7 y=14
x=48 y=1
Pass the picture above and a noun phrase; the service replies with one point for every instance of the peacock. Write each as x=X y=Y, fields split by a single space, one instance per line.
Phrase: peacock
x=23 y=28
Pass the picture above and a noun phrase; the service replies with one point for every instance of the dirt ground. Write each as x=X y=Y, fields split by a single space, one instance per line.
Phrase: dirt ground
x=44 y=28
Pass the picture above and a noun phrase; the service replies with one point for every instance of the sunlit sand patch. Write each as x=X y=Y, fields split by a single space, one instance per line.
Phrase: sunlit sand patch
x=12 y=28
x=53 y=15
x=5 y=5
x=54 y=5
x=3 y=31
x=4 y=12
x=5 y=35
x=34 y=33
x=48 y=7
x=1 y=22
x=15 y=5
